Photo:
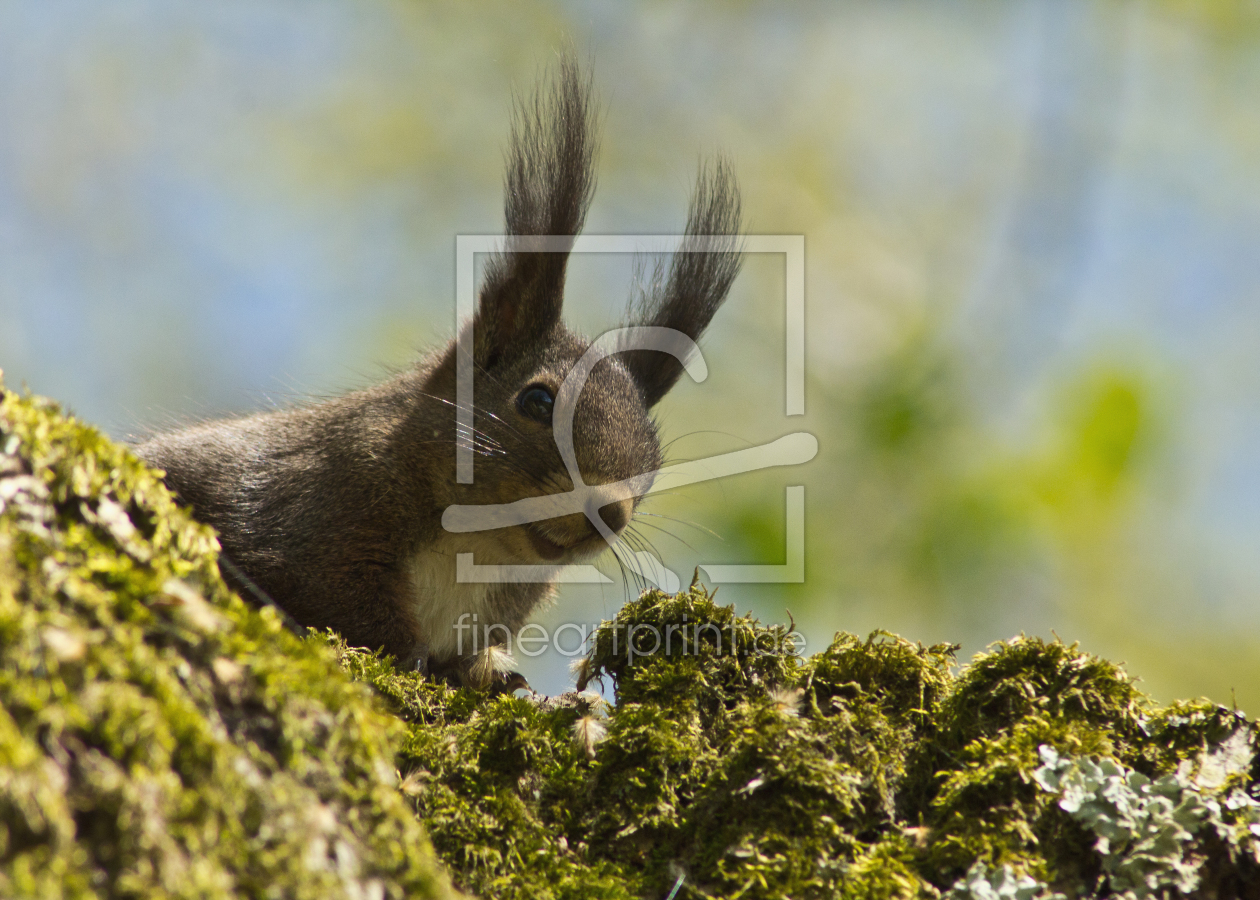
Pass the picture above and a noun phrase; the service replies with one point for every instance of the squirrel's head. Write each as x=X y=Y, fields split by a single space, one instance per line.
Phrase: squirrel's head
x=523 y=425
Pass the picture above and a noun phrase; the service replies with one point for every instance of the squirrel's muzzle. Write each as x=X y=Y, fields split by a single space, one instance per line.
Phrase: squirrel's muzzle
x=617 y=515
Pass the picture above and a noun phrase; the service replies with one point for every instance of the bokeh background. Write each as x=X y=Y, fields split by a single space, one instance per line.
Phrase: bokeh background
x=1032 y=265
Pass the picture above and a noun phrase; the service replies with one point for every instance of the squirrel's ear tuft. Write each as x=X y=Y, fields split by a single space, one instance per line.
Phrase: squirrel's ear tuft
x=700 y=275
x=547 y=190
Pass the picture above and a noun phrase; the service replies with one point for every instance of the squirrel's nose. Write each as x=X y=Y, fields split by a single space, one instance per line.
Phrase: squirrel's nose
x=617 y=515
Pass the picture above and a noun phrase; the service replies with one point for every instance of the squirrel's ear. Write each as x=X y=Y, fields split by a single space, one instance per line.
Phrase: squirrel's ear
x=547 y=190
x=700 y=275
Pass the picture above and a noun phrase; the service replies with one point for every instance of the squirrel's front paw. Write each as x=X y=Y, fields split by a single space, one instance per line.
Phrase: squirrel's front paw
x=415 y=661
x=494 y=668
x=508 y=682
x=491 y=669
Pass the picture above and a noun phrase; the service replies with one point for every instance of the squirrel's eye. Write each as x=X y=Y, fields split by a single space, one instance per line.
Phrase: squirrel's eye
x=536 y=402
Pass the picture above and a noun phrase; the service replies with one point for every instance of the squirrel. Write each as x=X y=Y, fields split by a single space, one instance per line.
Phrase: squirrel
x=334 y=509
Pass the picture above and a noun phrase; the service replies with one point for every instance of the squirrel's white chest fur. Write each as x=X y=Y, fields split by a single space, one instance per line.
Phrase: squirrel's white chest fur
x=440 y=600
x=459 y=618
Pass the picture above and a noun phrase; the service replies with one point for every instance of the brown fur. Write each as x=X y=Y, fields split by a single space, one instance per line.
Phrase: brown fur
x=332 y=509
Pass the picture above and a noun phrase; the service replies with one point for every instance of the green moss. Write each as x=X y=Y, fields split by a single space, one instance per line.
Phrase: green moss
x=158 y=738
x=734 y=768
